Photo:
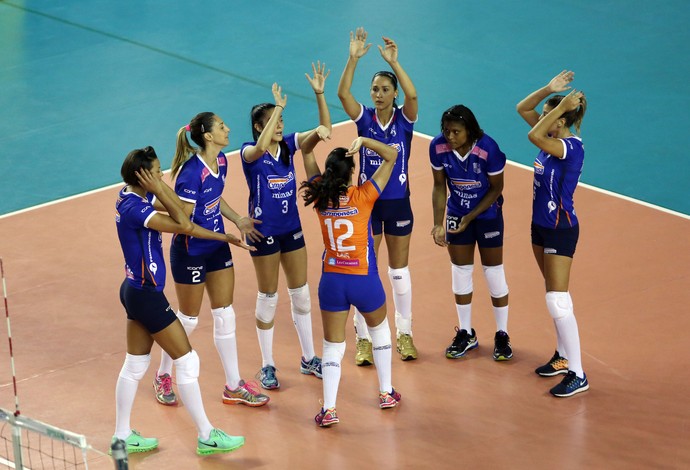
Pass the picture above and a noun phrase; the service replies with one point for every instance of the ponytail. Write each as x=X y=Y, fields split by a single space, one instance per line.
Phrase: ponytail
x=197 y=127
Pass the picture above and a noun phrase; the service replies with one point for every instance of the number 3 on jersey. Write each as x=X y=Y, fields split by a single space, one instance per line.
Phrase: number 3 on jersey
x=338 y=244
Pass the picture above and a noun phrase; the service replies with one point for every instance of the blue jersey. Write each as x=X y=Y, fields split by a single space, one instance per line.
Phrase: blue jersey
x=199 y=185
x=273 y=189
x=555 y=180
x=397 y=133
x=141 y=246
x=467 y=176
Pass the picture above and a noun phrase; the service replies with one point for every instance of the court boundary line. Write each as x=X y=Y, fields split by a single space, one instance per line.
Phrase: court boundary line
x=342 y=123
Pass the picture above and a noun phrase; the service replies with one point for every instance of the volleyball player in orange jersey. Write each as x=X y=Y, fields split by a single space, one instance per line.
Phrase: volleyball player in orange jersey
x=349 y=275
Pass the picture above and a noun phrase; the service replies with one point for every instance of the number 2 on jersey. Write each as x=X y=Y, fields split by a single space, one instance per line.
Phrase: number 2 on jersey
x=339 y=243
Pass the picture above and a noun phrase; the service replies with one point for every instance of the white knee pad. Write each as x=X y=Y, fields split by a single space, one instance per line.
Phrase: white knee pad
x=400 y=280
x=462 y=279
x=333 y=351
x=266 y=307
x=496 y=280
x=380 y=335
x=300 y=300
x=135 y=367
x=223 y=322
x=187 y=368
x=188 y=323
x=560 y=304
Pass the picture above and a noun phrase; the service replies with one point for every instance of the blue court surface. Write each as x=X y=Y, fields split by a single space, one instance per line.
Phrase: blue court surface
x=82 y=83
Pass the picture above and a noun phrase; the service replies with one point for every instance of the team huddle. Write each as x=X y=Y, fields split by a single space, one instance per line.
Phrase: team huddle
x=358 y=206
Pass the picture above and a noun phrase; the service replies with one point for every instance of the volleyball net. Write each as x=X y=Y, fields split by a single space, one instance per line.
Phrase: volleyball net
x=27 y=443
x=31 y=444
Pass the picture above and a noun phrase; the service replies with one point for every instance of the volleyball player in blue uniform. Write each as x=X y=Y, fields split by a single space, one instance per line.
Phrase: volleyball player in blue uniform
x=269 y=168
x=205 y=265
x=470 y=164
x=392 y=215
x=555 y=226
x=150 y=317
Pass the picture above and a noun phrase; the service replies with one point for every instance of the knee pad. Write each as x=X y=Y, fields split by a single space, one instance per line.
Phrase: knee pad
x=400 y=280
x=266 y=307
x=188 y=323
x=333 y=351
x=300 y=300
x=223 y=322
x=135 y=367
x=496 y=280
x=380 y=334
x=462 y=279
x=187 y=368
x=560 y=304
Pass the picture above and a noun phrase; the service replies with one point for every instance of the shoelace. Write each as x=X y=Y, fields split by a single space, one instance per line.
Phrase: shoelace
x=166 y=384
x=250 y=387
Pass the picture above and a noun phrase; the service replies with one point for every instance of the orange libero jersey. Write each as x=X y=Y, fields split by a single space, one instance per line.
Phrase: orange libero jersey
x=347 y=234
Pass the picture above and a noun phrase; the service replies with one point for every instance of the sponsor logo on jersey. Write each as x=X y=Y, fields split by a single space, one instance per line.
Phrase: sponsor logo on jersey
x=551 y=205
x=402 y=223
x=538 y=168
x=476 y=167
x=222 y=161
x=276 y=183
x=491 y=234
x=212 y=207
x=297 y=235
x=340 y=212
x=342 y=262
x=205 y=173
x=117 y=217
x=465 y=185
x=550 y=251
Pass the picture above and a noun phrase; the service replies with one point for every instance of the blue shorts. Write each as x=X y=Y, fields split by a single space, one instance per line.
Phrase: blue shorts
x=337 y=292
x=283 y=243
x=149 y=307
x=188 y=269
x=486 y=233
x=556 y=241
x=392 y=216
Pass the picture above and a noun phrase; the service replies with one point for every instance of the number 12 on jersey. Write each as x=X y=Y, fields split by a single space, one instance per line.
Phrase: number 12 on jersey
x=338 y=244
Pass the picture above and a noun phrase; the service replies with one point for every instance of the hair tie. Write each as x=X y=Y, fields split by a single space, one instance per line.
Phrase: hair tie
x=188 y=128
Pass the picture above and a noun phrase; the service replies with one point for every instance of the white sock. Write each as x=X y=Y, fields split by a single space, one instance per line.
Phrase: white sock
x=465 y=317
x=401 y=284
x=382 y=350
x=560 y=306
x=187 y=368
x=361 y=329
x=330 y=370
x=266 y=345
x=226 y=343
x=559 y=343
x=189 y=324
x=501 y=316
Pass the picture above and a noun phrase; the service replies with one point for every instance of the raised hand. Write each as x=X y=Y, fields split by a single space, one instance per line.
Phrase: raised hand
x=358 y=43
x=318 y=82
x=149 y=181
x=323 y=132
x=390 y=50
x=572 y=100
x=281 y=100
x=561 y=81
x=354 y=148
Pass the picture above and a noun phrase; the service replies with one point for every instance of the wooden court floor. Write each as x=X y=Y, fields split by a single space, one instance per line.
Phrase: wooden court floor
x=630 y=286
